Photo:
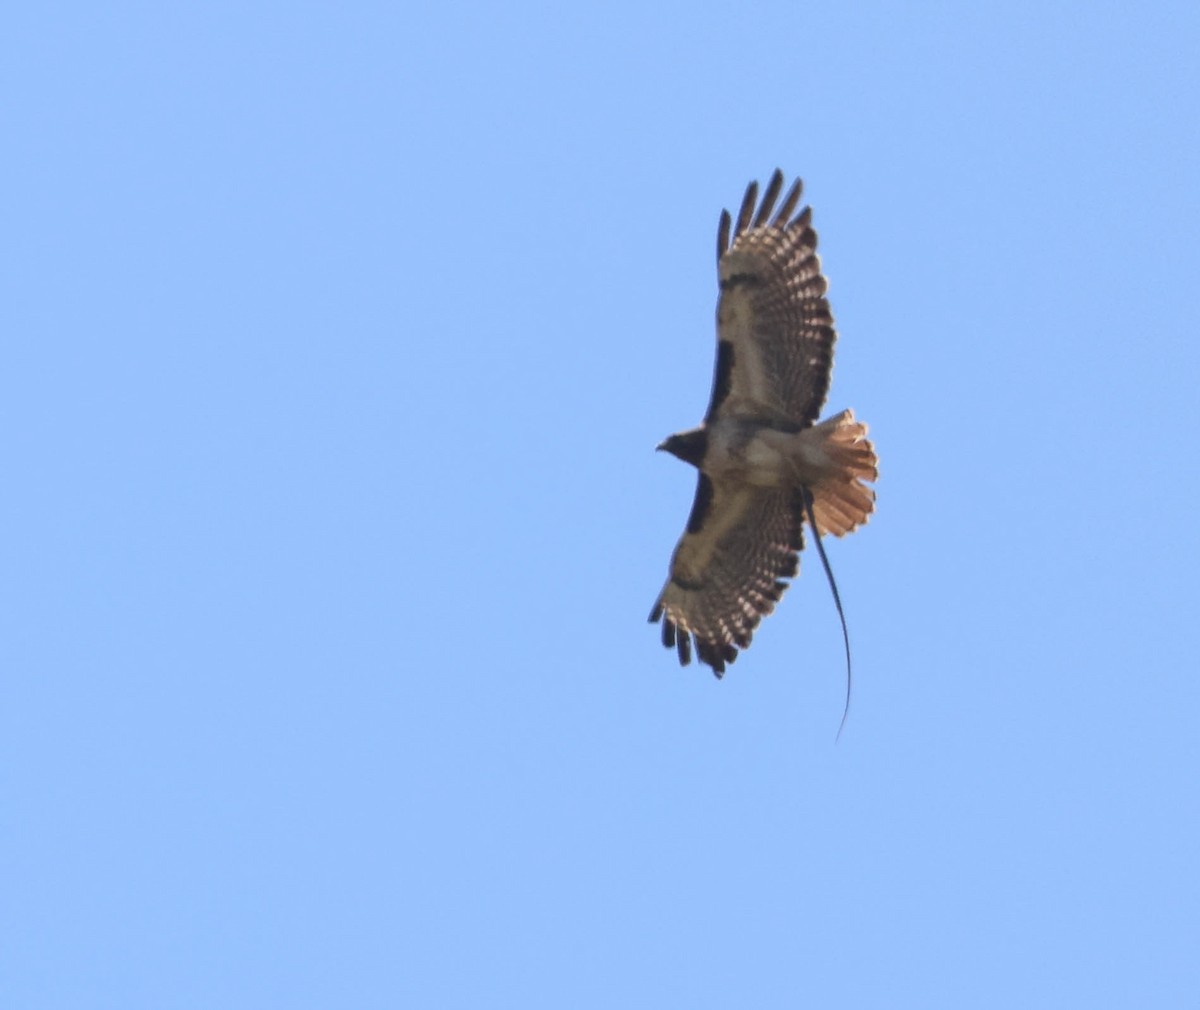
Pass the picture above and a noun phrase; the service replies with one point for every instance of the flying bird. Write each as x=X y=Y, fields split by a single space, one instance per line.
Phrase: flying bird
x=765 y=467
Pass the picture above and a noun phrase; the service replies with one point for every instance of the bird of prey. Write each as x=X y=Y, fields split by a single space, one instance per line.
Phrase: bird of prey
x=765 y=467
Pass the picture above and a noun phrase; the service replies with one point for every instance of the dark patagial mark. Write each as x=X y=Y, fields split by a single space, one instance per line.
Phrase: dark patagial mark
x=722 y=378
x=701 y=505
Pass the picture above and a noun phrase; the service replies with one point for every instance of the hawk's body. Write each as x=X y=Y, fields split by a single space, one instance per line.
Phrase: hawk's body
x=758 y=451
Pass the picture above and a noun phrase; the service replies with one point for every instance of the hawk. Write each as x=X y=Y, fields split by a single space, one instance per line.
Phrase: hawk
x=765 y=467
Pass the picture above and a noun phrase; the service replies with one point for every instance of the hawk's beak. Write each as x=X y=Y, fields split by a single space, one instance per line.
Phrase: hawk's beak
x=661 y=447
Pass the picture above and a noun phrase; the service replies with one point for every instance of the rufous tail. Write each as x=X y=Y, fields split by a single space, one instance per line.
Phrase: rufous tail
x=841 y=502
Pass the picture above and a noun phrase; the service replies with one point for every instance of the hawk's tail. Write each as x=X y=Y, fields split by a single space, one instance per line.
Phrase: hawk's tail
x=841 y=502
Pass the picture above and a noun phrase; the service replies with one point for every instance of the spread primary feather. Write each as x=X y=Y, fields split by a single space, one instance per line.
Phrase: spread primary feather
x=758 y=445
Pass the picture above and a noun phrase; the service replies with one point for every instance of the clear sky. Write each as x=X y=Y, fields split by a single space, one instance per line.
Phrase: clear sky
x=337 y=342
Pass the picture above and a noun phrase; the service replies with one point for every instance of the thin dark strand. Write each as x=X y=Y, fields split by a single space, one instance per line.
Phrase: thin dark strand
x=837 y=597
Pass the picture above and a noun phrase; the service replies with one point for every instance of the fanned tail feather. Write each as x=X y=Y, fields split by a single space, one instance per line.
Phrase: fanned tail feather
x=841 y=502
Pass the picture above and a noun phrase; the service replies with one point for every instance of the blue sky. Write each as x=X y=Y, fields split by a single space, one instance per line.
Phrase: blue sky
x=338 y=339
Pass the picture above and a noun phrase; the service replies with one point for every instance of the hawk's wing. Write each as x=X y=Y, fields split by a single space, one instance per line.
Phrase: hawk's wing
x=740 y=544
x=775 y=332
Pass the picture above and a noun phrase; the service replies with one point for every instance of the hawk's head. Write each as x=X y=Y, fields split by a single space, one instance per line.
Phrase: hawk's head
x=689 y=446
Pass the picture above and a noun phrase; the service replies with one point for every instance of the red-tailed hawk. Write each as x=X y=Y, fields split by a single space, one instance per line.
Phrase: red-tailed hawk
x=764 y=466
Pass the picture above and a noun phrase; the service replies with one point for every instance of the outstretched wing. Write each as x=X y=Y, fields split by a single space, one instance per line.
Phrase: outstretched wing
x=775 y=332
x=727 y=573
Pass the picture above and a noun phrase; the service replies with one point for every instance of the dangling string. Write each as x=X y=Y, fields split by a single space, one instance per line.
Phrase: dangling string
x=806 y=495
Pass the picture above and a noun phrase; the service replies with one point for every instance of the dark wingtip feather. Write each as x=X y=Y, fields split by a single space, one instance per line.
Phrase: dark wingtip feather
x=789 y=203
x=769 y=198
x=668 y=633
x=683 y=645
x=747 y=210
x=710 y=653
x=716 y=654
x=656 y=611
x=723 y=235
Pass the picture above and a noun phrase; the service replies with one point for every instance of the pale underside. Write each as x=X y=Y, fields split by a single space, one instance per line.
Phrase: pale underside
x=775 y=350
